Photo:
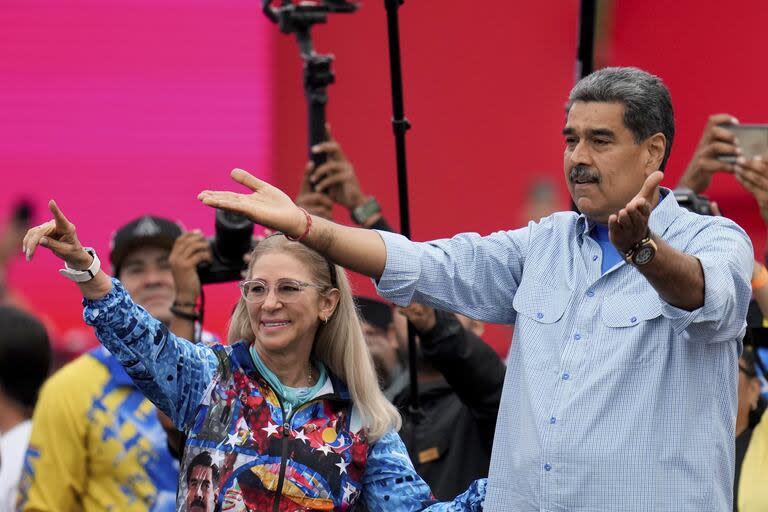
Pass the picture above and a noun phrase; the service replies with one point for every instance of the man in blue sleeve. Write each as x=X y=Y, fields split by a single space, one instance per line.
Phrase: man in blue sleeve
x=620 y=391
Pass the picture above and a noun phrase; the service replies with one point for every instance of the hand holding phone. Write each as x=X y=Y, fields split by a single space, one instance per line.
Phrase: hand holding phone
x=752 y=140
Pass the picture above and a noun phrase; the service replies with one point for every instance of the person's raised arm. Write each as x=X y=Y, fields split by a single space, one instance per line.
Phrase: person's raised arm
x=59 y=235
x=171 y=372
x=357 y=249
x=189 y=250
x=676 y=276
x=715 y=141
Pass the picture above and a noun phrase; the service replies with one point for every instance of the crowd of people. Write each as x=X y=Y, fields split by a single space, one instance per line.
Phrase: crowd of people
x=634 y=380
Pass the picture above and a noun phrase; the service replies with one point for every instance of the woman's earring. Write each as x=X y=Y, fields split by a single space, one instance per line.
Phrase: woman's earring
x=325 y=320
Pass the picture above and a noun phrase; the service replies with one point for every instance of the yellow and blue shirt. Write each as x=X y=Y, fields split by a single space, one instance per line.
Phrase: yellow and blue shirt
x=96 y=444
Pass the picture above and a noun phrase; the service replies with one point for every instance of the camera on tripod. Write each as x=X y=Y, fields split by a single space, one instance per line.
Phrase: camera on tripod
x=232 y=241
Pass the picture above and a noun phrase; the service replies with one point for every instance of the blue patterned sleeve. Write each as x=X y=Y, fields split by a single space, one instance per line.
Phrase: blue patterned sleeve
x=391 y=483
x=172 y=372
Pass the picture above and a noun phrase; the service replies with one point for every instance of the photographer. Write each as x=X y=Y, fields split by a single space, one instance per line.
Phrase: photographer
x=96 y=442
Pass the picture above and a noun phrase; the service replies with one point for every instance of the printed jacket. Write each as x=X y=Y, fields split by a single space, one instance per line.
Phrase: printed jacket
x=248 y=440
x=311 y=458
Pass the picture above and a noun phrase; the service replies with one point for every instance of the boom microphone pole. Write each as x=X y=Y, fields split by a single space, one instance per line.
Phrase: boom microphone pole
x=585 y=51
x=400 y=126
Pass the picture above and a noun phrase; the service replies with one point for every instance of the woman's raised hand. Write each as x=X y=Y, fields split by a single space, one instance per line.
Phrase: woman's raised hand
x=58 y=235
x=266 y=205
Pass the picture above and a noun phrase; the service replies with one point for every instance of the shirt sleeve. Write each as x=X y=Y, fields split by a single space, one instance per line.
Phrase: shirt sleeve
x=54 y=471
x=469 y=274
x=726 y=256
x=172 y=372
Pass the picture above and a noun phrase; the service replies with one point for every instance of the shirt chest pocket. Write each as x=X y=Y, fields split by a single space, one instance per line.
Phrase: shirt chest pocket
x=539 y=325
x=628 y=337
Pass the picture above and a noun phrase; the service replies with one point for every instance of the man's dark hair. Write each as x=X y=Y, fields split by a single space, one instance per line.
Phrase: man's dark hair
x=646 y=100
x=25 y=356
x=204 y=459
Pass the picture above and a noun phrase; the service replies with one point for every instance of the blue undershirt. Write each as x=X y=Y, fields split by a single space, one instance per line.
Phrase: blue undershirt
x=611 y=255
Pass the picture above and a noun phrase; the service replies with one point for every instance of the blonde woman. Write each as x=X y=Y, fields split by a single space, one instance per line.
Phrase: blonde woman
x=287 y=417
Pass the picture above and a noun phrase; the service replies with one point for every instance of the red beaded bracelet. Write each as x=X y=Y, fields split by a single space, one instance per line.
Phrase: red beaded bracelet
x=305 y=234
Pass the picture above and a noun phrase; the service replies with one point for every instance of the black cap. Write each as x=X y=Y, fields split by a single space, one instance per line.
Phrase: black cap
x=142 y=232
x=374 y=312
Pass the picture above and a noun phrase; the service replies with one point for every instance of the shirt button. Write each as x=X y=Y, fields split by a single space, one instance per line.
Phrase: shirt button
x=539 y=315
x=547 y=467
x=577 y=336
x=552 y=420
x=633 y=319
x=566 y=376
x=594 y=258
x=590 y=293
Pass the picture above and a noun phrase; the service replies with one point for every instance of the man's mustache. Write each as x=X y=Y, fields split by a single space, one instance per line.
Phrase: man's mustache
x=583 y=174
x=197 y=502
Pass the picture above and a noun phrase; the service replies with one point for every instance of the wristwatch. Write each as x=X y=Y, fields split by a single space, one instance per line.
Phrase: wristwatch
x=642 y=252
x=364 y=212
x=81 y=276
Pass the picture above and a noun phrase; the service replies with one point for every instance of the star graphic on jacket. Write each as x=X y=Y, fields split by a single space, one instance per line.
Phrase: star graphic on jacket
x=270 y=429
x=232 y=439
x=349 y=491
x=301 y=437
x=342 y=466
x=325 y=449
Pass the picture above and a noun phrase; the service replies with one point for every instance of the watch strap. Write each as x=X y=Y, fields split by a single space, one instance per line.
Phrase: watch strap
x=81 y=276
x=647 y=241
x=364 y=212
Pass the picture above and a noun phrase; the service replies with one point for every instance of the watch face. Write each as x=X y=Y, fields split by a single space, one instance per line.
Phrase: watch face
x=644 y=255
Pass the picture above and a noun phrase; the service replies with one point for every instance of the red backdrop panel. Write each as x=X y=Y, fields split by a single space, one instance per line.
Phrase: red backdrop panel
x=711 y=59
x=485 y=84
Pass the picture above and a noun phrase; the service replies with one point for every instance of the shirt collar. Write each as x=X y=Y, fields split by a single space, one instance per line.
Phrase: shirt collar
x=661 y=217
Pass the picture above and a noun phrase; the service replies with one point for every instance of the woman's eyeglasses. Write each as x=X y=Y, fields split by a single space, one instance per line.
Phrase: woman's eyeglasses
x=286 y=290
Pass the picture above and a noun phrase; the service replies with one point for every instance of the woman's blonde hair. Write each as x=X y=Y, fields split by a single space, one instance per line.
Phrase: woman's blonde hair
x=339 y=343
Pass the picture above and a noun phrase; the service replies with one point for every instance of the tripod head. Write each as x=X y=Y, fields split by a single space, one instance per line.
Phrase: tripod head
x=298 y=18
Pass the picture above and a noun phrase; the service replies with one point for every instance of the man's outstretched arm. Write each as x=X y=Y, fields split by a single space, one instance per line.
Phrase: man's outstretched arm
x=357 y=249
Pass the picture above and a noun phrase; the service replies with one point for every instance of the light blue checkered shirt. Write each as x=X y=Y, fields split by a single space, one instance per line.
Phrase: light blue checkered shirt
x=613 y=400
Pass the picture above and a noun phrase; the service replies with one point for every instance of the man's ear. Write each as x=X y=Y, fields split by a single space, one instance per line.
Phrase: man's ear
x=656 y=146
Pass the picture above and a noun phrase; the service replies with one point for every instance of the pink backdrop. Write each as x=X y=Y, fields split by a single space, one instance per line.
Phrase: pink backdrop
x=121 y=108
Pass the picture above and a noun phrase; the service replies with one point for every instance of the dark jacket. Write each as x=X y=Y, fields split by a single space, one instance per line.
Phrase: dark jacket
x=450 y=440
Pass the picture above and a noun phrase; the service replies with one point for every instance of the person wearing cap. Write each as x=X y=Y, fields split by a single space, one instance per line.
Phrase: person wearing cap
x=96 y=442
